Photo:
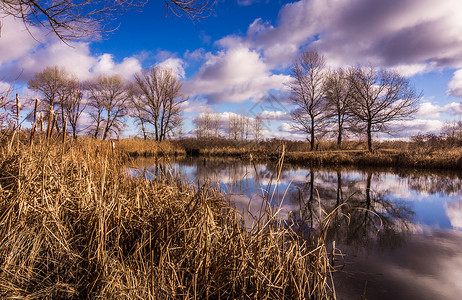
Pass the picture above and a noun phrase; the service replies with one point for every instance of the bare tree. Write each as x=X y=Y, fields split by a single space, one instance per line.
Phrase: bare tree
x=71 y=20
x=246 y=128
x=161 y=100
x=234 y=128
x=137 y=111
x=379 y=97
x=96 y=114
x=337 y=95
x=257 y=128
x=109 y=96
x=207 y=124
x=74 y=105
x=52 y=86
x=307 y=94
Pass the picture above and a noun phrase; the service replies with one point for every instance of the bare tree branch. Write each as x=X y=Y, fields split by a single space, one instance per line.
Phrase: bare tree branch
x=71 y=20
x=380 y=97
x=160 y=100
x=109 y=98
x=307 y=94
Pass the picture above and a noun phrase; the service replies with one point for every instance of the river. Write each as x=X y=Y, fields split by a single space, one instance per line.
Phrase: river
x=398 y=233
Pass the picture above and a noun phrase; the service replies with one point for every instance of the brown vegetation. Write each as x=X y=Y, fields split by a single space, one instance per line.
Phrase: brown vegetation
x=398 y=154
x=75 y=225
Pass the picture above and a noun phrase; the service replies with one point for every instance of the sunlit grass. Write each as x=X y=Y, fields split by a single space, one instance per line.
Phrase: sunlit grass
x=73 y=225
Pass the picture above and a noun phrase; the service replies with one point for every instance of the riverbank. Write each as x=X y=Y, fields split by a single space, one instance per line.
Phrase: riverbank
x=395 y=155
x=443 y=159
x=75 y=225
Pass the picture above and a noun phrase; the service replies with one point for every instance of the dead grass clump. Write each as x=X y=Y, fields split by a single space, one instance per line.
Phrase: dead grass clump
x=73 y=225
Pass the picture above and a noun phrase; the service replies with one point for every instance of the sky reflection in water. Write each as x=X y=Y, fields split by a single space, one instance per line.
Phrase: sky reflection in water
x=402 y=233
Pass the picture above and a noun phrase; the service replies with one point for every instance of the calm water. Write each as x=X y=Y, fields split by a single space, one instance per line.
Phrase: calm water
x=400 y=233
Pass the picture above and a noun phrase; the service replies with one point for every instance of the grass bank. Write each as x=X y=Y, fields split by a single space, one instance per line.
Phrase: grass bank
x=387 y=154
x=443 y=159
x=74 y=225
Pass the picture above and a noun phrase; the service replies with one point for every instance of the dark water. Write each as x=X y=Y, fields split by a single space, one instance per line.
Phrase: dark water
x=400 y=232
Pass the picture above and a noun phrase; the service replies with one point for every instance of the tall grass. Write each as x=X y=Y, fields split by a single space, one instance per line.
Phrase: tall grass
x=73 y=225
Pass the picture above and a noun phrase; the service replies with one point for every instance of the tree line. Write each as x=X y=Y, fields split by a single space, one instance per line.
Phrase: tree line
x=358 y=99
x=238 y=127
x=152 y=98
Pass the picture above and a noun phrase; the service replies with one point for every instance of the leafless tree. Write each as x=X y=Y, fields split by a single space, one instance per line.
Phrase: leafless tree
x=246 y=126
x=71 y=20
x=52 y=86
x=380 y=97
x=207 y=124
x=137 y=111
x=161 y=100
x=74 y=104
x=257 y=128
x=234 y=128
x=337 y=95
x=109 y=98
x=96 y=114
x=307 y=94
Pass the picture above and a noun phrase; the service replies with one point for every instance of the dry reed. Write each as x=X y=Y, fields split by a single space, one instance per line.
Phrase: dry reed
x=74 y=225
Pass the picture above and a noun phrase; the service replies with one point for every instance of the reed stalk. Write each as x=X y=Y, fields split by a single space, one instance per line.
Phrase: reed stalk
x=18 y=109
x=75 y=225
x=50 y=121
x=64 y=131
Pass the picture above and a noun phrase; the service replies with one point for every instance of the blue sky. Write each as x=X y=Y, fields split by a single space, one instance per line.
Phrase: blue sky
x=233 y=59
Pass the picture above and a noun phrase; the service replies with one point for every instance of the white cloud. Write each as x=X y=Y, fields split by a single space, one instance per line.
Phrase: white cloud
x=274 y=115
x=23 y=54
x=234 y=75
x=412 y=35
x=432 y=111
x=106 y=65
x=175 y=64
x=454 y=213
x=194 y=105
x=429 y=110
x=15 y=40
x=455 y=85
x=287 y=127
x=76 y=59
x=409 y=128
x=454 y=108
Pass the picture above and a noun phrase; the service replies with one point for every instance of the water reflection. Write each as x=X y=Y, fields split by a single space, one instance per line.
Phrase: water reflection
x=454 y=212
x=401 y=231
x=362 y=217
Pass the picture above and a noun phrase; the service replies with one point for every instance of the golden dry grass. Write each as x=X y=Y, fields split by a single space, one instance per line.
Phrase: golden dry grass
x=74 y=225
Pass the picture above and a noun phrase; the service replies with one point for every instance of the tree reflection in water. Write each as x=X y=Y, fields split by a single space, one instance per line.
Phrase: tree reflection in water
x=361 y=217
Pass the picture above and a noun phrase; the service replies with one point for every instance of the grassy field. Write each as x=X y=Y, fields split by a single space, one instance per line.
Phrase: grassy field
x=75 y=225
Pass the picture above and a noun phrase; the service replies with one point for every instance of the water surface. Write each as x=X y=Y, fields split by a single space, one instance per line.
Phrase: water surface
x=400 y=232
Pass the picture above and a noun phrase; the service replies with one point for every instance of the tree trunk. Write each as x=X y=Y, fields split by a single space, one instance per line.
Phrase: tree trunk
x=339 y=189
x=312 y=134
x=339 y=138
x=156 y=130
x=74 y=132
x=144 y=129
x=369 y=137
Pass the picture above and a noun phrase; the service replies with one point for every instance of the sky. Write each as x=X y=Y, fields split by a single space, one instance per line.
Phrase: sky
x=237 y=60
